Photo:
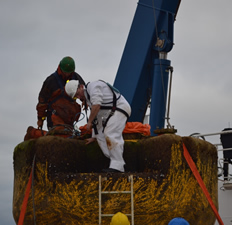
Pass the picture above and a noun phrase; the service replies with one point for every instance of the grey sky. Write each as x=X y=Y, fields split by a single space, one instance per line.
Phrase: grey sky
x=36 y=35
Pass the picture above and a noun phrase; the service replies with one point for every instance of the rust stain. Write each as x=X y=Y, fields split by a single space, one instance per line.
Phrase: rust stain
x=109 y=144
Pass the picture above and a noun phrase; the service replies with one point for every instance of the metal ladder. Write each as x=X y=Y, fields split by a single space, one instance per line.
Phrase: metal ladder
x=131 y=192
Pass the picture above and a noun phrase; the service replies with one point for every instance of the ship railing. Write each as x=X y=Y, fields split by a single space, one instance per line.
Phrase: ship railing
x=222 y=162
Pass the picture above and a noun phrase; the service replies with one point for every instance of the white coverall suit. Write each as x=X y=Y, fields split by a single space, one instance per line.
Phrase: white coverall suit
x=111 y=140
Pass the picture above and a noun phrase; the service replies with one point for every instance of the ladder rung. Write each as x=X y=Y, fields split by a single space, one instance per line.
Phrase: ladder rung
x=116 y=192
x=110 y=215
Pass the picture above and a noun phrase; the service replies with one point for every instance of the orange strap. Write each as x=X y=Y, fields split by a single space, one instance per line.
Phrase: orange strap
x=25 y=200
x=201 y=183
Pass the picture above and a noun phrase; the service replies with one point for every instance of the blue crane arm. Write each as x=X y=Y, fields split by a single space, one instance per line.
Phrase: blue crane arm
x=142 y=76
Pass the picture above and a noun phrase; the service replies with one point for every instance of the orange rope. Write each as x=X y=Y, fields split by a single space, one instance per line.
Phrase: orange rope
x=201 y=183
x=25 y=200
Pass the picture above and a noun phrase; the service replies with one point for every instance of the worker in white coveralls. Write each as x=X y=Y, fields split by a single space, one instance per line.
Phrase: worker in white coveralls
x=108 y=117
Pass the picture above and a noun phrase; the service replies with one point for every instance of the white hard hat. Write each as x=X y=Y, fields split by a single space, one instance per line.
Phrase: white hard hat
x=71 y=87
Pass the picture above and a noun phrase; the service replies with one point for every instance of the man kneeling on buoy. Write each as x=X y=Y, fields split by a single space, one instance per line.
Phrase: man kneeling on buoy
x=108 y=117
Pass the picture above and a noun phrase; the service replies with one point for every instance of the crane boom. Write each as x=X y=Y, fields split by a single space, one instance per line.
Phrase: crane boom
x=143 y=73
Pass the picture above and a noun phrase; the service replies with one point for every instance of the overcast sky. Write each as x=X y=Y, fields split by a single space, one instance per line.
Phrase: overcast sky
x=34 y=36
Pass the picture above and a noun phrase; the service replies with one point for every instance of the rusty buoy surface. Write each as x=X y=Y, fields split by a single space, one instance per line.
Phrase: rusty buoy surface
x=66 y=181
